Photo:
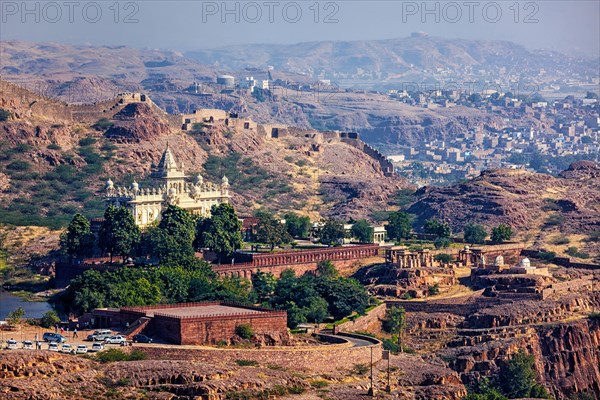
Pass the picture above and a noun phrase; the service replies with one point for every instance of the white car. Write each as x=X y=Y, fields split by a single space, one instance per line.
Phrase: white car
x=97 y=347
x=11 y=344
x=66 y=348
x=115 y=339
x=53 y=346
x=28 y=345
x=81 y=349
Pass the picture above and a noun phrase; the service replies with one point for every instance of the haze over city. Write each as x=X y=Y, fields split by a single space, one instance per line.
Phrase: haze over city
x=566 y=26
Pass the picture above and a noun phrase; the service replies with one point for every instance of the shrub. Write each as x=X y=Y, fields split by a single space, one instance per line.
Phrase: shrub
x=88 y=141
x=54 y=146
x=560 y=240
x=319 y=384
x=244 y=331
x=360 y=369
x=4 y=115
x=19 y=166
x=112 y=355
x=247 y=363
x=574 y=252
x=444 y=258
x=50 y=319
x=554 y=220
x=433 y=290
x=546 y=255
x=102 y=124
x=442 y=243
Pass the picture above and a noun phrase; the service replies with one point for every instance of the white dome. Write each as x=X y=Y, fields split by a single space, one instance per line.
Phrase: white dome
x=135 y=185
x=225 y=181
x=109 y=184
x=199 y=180
x=499 y=261
x=525 y=263
x=172 y=191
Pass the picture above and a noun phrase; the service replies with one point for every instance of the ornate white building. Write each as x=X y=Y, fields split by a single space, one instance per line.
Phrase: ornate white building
x=147 y=204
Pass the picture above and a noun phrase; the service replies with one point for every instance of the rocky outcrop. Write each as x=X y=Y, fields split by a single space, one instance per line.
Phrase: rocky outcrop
x=137 y=122
x=517 y=198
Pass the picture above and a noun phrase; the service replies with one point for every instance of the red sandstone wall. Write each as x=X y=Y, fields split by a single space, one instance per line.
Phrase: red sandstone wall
x=366 y=322
x=196 y=331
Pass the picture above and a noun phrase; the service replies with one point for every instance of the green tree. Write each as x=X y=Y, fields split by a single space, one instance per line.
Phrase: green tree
x=119 y=235
x=263 y=283
x=437 y=228
x=399 y=226
x=442 y=243
x=332 y=231
x=171 y=241
x=14 y=317
x=317 y=309
x=363 y=231
x=475 y=233
x=222 y=232
x=326 y=269
x=501 y=233
x=517 y=377
x=395 y=320
x=443 y=258
x=297 y=226
x=49 y=319
x=77 y=240
x=271 y=231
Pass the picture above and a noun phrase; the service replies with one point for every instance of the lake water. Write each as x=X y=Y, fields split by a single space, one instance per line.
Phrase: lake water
x=33 y=309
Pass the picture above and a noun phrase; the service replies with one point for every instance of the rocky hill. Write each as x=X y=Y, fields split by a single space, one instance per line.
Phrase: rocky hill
x=385 y=59
x=532 y=203
x=56 y=158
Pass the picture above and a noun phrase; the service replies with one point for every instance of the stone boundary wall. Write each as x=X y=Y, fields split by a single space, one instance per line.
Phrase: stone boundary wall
x=318 y=359
x=575 y=285
x=562 y=261
x=245 y=270
x=364 y=322
x=386 y=165
x=461 y=309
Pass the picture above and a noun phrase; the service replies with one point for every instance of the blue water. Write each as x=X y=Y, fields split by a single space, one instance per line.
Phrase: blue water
x=33 y=309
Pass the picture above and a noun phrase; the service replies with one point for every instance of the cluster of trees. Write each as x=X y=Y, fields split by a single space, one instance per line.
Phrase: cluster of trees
x=311 y=297
x=172 y=241
x=516 y=379
x=145 y=286
x=476 y=233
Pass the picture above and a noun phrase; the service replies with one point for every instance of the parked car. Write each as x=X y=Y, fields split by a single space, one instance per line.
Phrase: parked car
x=142 y=339
x=11 y=344
x=28 y=345
x=118 y=339
x=66 y=348
x=98 y=346
x=81 y=349
x=53 y=346
x=100 y=335
x=54 y=337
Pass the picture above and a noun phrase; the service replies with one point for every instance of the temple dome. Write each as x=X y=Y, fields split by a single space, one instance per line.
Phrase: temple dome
x=525 y=263
x=110 y=184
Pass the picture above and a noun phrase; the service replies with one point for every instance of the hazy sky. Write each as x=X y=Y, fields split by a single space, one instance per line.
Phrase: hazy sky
x=571 y=26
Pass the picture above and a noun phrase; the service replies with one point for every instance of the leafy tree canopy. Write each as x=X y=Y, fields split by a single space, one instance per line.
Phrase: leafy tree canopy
x=221 y=232
x=297 y=226
x=501 y=233
x=399 y=226
x=271 y=231
x=77 y=240
x=438 y=228
x=332 y=232
x=475 y=233
x=362 y=230
x=119 y=235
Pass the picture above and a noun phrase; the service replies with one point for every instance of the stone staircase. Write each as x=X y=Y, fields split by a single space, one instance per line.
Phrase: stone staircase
x=136 y=328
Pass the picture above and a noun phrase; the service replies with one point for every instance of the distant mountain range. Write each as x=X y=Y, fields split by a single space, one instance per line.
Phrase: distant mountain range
x=393 y=58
